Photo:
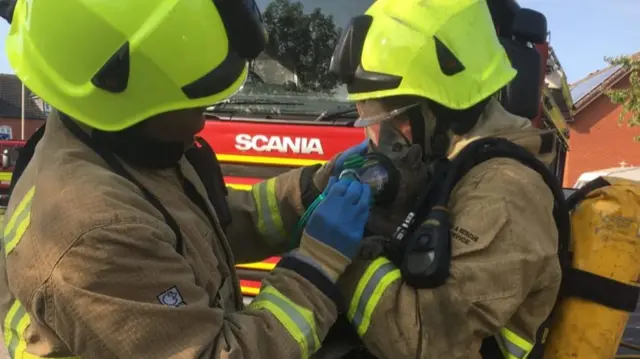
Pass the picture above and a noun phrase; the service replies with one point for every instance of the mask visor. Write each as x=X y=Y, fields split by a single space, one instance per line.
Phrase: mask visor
x=389 y=132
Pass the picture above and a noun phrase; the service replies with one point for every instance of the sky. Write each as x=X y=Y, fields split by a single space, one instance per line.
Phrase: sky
x=583 y=32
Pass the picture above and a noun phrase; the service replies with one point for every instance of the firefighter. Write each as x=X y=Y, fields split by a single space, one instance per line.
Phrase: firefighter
x=114 y=244
x=424 y=75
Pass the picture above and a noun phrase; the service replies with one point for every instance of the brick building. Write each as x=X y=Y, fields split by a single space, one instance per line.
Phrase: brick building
x=597 y=141
x=11 y=112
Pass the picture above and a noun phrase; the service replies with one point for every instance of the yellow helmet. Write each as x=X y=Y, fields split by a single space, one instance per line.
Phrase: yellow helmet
x=443 y=50
x=112 y=64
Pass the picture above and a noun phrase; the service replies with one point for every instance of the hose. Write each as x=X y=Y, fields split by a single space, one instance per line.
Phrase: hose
x=297 y=233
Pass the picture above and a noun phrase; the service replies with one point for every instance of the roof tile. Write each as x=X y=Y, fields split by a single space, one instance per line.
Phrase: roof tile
x=585 y=86
x=580 y=89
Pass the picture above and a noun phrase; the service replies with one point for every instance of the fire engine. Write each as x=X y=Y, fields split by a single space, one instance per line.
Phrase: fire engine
x=9 y=150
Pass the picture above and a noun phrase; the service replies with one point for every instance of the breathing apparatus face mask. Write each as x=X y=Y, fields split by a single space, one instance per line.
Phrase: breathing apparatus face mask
x=394 y=166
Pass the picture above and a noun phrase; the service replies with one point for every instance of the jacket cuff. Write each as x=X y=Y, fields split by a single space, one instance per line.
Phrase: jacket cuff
x=332 y=262
x=308 y=189
x=322 y=175
x=312 y=272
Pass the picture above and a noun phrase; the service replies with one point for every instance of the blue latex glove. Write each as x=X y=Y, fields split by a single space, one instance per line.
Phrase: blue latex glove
x=359 y=149
x=340 y=218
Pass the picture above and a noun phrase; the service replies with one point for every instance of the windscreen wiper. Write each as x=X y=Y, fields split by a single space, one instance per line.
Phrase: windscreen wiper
x=336 y=113
x=257 y=101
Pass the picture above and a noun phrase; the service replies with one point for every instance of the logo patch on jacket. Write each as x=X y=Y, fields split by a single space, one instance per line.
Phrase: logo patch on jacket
x=171 y=297
x=463 y=235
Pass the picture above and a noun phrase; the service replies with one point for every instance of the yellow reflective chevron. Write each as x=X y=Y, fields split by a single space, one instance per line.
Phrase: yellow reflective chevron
x=298 y=321
x=374 y=282
x=241 y=187
x=19 y=222
x=5 y=176
x=17 y=319
x=269 y=221
x=15 y=324
x=512 y=345
x=10 y=328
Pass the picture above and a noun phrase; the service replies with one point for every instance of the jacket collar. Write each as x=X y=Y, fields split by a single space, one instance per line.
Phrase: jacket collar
x=498 y=122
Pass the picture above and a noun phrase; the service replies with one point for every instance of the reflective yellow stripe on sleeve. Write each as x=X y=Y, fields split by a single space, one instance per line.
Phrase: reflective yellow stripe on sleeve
x=298 y=321
x=15 y=324
x=269 y=221
x=18 y=224
x=512 y=345
x=374 y=282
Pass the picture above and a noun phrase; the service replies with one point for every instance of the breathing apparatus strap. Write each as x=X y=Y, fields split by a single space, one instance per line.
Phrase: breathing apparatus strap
x=206 y=164
x=490 y=348
x=439 y=146
x=429 y=221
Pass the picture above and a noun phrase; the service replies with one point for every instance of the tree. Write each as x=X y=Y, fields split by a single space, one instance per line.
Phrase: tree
x=306 y=41
x=628 y=98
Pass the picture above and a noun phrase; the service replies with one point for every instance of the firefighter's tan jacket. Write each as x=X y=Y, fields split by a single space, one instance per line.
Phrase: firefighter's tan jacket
x=89 y=267
x=505 y=273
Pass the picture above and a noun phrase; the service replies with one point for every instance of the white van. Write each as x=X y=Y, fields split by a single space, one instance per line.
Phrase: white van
x=631 y=173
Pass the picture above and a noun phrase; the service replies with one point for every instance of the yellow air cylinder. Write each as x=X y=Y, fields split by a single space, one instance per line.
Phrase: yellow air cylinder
x=606 y=242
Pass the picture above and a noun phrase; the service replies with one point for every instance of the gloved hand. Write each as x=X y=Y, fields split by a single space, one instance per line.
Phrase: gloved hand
x=337 y=223
x=334 y=167
x=359 y=149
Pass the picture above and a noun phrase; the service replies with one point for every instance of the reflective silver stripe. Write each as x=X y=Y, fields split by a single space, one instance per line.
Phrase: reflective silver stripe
x=18 y=223
x=269 y=221
x=15 y=324
x=298 y=321
x=301 y=257
x=374 y=282
x=15 y=338
x=512 y=345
